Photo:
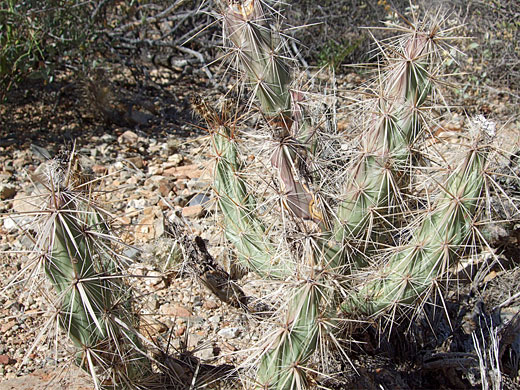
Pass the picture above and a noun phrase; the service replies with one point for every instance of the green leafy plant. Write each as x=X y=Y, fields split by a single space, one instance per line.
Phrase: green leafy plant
x=343 y=235
x=20 y=45
x=334 y=53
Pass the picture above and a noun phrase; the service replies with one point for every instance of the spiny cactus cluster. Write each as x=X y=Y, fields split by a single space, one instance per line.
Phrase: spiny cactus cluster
x=352 y=253
x=349 y=235
x=93 y=304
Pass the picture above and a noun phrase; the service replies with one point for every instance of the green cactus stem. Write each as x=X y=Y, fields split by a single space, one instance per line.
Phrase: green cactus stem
x=94 y=305
x=375 y=179
x=258 y=53
x=74 y=276
x=282 y=364
x=257 y=49
x=434 y=246
x=242 y=228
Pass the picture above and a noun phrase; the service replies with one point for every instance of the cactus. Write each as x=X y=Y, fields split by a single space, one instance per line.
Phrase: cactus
x=386 y=147
x=281 y=367
x=337 y=233
x=93 y=303
x=244 y=229
x=258 y=50
x=433 y=246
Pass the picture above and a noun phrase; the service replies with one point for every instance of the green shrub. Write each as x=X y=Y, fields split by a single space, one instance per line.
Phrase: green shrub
x=37 y=36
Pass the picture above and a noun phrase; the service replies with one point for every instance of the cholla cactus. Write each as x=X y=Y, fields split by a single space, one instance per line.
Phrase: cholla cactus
x=328 y=239
x=93 y=303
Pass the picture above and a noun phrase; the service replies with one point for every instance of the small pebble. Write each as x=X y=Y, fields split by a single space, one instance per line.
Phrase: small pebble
x=229 y=333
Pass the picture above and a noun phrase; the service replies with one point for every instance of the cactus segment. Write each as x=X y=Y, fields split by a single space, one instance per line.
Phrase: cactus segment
x=375 y=180
x=93 y=304
x=411 y=270
x=242 y=228
x=257 y=51
x=281 y=366
x=84 y=293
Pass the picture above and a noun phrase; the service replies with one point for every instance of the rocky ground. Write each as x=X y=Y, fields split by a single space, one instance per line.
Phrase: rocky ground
x=154 y=168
